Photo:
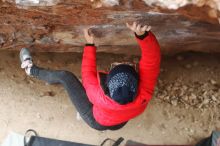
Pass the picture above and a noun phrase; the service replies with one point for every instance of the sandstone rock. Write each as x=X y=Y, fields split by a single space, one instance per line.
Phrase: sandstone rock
x=104 y=3
x=36 y=2
x=57 y=28
x=49 y=61
x=213 y=13
x=175 y=4
x=110 y=3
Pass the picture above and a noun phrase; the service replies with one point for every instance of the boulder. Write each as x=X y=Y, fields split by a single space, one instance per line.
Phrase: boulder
x=56 y=25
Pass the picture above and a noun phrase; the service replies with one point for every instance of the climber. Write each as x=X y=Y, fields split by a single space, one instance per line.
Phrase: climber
x=109 y=101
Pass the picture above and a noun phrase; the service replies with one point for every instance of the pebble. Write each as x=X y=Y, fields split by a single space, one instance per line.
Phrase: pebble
x=182 y=93
x=48 y=93
x=50 y=119
x=214 y=98
x=192 y=97
x=213 y=82
x=186 y=106
x=167 y=98
x=30 y=81
x=47 y=84
x=205 y=102
x=198 y=94
x=205 y=93
x=185 y=87
x=191 y=130
x=13 y=76
x=78 y=117
x=186 y=98
x=191 y=89
x=38 y=115
x=163 y=127
x=174 y=102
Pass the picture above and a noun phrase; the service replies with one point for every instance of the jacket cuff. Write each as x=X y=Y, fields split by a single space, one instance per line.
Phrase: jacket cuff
x=143 y=36
x=90 y=44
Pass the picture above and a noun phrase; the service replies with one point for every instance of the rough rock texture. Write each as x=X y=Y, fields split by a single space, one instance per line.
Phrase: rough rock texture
x=175 y=4
x=56 y=25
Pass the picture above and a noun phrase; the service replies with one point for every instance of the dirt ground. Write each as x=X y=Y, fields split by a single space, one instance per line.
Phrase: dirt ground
x=185 y=108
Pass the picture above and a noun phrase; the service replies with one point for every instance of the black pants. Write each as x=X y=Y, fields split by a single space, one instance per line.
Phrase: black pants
x=76 y=93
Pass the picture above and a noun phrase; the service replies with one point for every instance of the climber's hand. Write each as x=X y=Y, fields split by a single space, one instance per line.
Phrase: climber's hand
x=138 y=29
x=88 y=36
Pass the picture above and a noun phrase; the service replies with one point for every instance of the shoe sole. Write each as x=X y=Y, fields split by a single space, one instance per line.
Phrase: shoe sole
x=25 y=54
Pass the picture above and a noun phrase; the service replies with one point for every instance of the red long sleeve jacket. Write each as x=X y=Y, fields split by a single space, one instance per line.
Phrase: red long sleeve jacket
x=106 y=111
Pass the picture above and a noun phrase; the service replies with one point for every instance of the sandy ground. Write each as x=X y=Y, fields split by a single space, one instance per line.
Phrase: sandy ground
x=28 y=103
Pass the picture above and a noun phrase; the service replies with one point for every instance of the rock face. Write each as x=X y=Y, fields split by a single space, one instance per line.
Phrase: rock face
x=175 y=4
x=56 y=25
